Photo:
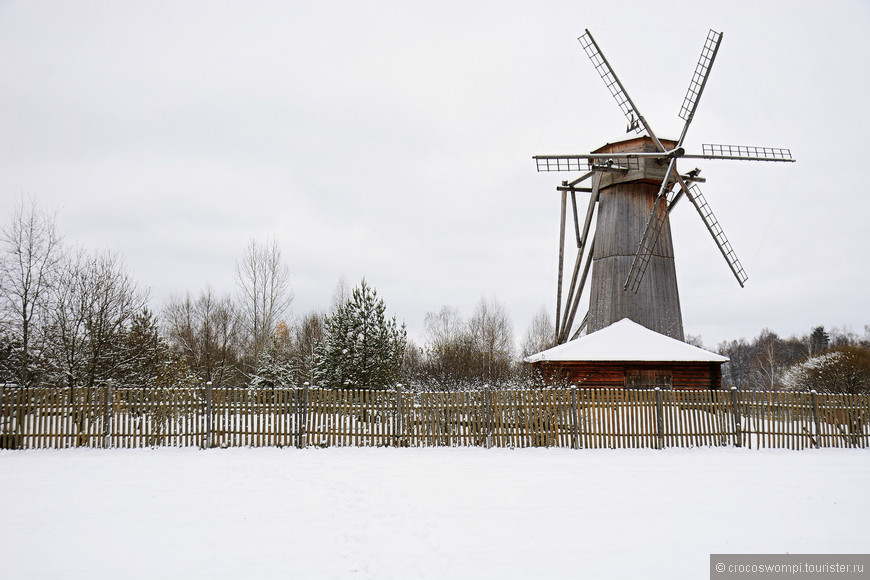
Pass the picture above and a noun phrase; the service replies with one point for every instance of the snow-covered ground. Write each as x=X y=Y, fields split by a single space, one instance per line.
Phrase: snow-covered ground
x=421 y=513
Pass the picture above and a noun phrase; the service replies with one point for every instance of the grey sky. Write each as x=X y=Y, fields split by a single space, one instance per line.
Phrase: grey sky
x=393 y=140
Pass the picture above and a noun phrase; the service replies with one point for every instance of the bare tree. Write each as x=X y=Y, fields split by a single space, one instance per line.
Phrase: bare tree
x=449 y=360
x=30 y=258
x=736 y=372
x=540 y=333
x=265 y=294
x=94 y=303
x=340 y=295
x=206 y=332
x=492 y=331
x=461 y=354
x=443 y=327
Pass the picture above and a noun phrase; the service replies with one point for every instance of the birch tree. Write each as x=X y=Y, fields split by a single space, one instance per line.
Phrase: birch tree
x=492 y=333
x=30 y=258
x=265 y=295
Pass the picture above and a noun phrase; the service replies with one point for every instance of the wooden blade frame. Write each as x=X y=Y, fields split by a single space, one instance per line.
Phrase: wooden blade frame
x=697 y=198
x=636 y=121
x=743 y=153
x=663 y=203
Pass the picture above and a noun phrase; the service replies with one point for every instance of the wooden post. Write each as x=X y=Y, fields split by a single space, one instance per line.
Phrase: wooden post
x=303 y=419
x=397 y=424
x=294 y=401
x=660 y=423
x=487 y=415
x=297 y=409
x=2 y=416
x=209 y=411
x=107 y=420
x=575 y=419
x=577 y=290
x=735 y=412
x=561 y=264
x=816 y=422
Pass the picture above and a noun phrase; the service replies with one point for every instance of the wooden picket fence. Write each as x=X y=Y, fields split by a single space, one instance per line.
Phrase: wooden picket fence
x=310 y=417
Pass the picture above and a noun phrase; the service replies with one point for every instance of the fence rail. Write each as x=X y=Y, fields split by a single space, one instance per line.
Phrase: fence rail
x=33 y=417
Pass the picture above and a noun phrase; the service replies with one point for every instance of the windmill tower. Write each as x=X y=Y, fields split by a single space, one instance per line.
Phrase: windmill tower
x=633 y=186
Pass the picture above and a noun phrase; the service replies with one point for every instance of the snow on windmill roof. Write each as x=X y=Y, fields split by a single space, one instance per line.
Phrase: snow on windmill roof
x=626 y=340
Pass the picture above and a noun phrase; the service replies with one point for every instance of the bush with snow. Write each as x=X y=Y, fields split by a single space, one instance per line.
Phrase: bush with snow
x=841 y=370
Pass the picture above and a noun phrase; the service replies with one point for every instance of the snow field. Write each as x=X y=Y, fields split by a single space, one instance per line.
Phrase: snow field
x=421 y=513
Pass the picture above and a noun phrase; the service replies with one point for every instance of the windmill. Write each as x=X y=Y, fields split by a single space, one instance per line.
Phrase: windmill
x=634 y=185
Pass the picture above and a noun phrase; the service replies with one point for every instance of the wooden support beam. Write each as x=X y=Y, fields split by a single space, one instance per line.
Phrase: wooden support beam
x=561 y=261
x=576 y=219
x=561 y=327
x=580 y=328
x=580 y=179
x=573 y=189
x=581 y=285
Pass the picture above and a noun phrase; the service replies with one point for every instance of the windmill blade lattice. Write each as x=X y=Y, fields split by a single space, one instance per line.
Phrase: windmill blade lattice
x=743 y=153
x=647 y=243
x=602 y=67
x=699 y=77
x=699 y=201
x=586 y=163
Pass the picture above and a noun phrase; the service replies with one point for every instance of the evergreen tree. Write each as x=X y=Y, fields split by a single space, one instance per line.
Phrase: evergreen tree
x=819 y=341
x=307 y=336
x=361 y=348
x=273 y=369
x=146 y=351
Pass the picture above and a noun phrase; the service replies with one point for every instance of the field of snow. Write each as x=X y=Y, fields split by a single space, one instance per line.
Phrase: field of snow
x=421 y=513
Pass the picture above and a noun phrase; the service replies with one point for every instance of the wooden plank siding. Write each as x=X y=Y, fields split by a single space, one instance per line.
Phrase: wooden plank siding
x=624 y=207
x=612 y=374
x=105 y=417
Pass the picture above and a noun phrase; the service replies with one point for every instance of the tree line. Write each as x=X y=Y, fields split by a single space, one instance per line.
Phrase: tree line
x=828 y=361
x=71 y=317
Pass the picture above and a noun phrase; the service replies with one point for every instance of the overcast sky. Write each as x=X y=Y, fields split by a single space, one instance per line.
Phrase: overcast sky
x=393 y=140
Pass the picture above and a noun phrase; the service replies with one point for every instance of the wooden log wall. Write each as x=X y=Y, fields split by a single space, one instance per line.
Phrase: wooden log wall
x=612 y=374
x=106 y=417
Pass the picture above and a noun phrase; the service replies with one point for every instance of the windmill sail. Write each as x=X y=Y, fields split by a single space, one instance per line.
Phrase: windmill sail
x=743 y=153
x=589 y=162
x=647 y=243
x=699 y=77
x=602 y=67
x=697 y=198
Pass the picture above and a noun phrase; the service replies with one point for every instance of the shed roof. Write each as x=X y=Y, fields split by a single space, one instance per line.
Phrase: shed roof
x=626 y=340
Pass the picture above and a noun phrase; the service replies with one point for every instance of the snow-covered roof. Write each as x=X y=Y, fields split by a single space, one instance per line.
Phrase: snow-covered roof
x=626 y=340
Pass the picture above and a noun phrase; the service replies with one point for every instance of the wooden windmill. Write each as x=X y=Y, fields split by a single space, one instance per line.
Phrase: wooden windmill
x=634 y=186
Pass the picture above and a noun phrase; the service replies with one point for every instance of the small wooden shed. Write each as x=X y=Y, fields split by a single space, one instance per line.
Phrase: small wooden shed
x=628 y=355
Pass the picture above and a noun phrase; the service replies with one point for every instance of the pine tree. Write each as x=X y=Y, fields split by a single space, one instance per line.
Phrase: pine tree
x=273 y=369
x=819 y=341
x=361 y=348
x=145 y=351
